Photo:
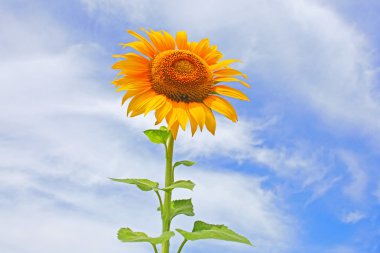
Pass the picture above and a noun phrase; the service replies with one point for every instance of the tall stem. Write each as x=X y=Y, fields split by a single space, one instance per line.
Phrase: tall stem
x=169 y=179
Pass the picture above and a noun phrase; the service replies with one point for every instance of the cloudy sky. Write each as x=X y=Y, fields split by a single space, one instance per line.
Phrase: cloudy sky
x=298 y=173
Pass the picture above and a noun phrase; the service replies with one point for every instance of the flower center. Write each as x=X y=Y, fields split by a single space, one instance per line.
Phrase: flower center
x=181 y=76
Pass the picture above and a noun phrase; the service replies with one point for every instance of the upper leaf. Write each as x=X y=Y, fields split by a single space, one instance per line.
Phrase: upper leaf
x=158 y=136
x=182 y=206
x=127 y=235
x=184 y=162
x=142 y=184
x=186 y=184
x=203 y=230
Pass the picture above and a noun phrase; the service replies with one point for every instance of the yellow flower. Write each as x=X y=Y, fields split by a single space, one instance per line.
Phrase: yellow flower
x=178 y=79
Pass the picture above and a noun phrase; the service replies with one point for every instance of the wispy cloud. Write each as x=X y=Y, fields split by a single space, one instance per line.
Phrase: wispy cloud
x=356 y=188
x=353 y=217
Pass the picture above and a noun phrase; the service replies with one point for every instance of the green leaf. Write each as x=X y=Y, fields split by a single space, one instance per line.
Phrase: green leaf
x=182 y=206
x=127 y=235
x=184 y=162
x=203 y=230
x=186 y=184
x=142 y=184
x=158 y=136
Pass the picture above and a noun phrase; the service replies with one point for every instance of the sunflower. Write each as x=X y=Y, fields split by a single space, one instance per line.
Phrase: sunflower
x=178 y=79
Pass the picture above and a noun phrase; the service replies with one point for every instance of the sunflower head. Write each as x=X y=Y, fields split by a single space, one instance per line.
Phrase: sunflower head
x=178 y=79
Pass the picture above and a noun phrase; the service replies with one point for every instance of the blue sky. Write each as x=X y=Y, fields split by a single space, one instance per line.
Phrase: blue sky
x=298 y=173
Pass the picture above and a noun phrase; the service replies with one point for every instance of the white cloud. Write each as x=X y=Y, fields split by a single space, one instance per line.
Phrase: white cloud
x=321 y=188
x=356 y=188
x=353 y=217
x=246 y=142
x=376 y=193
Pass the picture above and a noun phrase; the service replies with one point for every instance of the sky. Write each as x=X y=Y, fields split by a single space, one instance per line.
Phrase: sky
x=298 y=173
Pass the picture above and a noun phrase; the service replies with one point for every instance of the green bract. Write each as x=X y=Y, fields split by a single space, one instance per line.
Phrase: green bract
x=158 y=136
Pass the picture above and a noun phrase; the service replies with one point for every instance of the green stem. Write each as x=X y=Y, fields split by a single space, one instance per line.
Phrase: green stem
x=169 y=179
x=182 y=244
x=155 y=248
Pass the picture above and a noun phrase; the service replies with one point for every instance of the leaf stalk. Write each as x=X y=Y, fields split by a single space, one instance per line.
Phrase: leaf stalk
x=182 y=244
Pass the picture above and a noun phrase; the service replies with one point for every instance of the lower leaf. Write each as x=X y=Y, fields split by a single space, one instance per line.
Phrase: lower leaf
x=203 y=230
x=127 y=235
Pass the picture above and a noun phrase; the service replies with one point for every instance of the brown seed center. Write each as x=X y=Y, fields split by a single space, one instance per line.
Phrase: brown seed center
x=181 y=76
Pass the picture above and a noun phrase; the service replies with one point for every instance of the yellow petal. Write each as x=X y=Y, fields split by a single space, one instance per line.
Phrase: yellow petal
x=132 y=93
x=137 y=111
x=192 y=46
x=177 y=114
x=171 y=116
x=139 y=101
x=140 y=47
x=230 y=92
x=156 y=102
x=132 y=55
x=159 y=40
x=118 y=55
x=231 y=79
x=210 y=120
x=123 y=86
x=181 y=40
x=149 y=46
x=222 y=64
x=197 y=112
x=213 y=57
x=229 y=72
x=130 y=79
x=163 y=111
x=137 y=58
x=182 y=116
x=130 y=66
x=169 y=41
x=174 y=129
x=155 y=40
x=193 y=124
x=201 y=47
x=221 y=106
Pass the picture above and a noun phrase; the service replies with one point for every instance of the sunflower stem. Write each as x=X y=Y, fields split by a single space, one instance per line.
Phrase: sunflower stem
x=169 y=179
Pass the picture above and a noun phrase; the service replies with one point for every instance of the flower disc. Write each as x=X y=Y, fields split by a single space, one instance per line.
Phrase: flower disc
x=181 y=76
